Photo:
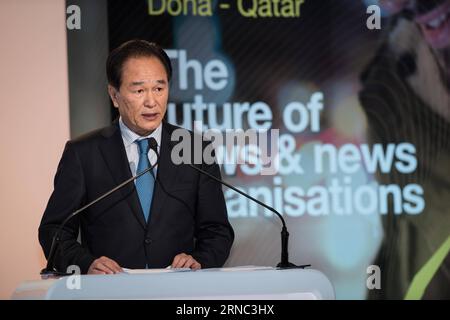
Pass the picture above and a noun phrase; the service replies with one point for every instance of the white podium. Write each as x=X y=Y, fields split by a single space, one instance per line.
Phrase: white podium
x=209 y=284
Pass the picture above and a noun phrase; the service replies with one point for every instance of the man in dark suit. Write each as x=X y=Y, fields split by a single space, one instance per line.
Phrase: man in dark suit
x=178 y=220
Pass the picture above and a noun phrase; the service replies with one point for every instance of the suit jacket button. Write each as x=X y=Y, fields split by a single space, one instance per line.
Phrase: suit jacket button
x=148 y=241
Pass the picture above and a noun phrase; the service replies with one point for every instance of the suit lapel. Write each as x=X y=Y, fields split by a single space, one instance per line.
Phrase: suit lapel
x=167 y=172
x=114 y=154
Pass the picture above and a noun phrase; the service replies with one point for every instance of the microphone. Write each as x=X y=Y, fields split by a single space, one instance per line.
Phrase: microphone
x=50 y=270
x=284 y=263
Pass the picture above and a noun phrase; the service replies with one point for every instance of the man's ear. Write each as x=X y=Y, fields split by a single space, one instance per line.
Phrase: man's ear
x=113 y=92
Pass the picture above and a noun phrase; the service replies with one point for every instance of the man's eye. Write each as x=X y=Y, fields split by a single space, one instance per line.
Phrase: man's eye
x=140 y=91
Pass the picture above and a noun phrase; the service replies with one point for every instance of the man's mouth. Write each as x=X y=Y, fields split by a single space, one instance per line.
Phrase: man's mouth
x=150 y=116
x=435 y=25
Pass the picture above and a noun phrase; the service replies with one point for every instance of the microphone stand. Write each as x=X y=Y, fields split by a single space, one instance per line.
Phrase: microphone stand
x=284 y=263
x=50 y=270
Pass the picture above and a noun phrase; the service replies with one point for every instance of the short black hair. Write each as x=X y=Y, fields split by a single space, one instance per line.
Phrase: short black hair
x=134 y=49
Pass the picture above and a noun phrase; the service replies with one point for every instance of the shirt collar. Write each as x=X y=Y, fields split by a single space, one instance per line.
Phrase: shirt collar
x=130 y=137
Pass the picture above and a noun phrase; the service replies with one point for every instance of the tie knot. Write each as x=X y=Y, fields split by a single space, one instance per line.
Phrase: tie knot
x=143 y=146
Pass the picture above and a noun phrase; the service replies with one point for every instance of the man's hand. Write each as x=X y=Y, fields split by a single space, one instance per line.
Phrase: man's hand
x=104 y=265
x=184 y=260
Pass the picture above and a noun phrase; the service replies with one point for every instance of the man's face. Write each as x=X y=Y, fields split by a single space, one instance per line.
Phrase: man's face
x=143 y=94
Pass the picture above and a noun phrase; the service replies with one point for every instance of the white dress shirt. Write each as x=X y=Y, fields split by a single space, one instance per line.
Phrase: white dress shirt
x=129 y=140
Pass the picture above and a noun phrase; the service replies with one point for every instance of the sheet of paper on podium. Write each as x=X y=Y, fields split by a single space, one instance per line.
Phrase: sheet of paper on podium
x=160 y=270
x=164 y=270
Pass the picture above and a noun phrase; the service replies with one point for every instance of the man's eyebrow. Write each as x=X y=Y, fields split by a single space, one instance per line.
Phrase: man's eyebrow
x=140 y=83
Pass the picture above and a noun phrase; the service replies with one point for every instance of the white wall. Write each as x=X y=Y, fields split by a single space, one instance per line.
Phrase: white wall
x=34 y=125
